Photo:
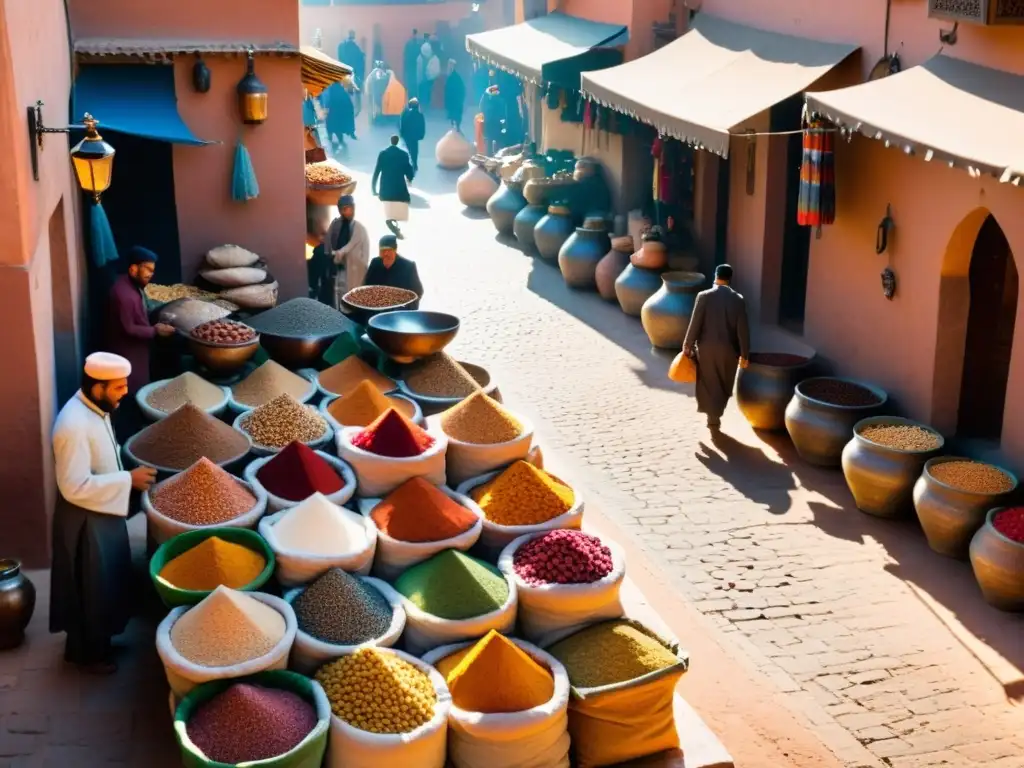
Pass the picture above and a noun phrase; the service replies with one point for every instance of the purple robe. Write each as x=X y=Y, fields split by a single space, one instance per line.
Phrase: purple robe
x=129 y=332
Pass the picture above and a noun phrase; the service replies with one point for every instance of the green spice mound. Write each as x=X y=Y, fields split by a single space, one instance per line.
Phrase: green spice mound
x=610 y=652
x=454 y=586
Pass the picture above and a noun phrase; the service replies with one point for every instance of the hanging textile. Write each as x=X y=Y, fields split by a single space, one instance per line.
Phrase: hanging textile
x=244 y=186
x=657 y=147
x=817 y=201
x=101 y=238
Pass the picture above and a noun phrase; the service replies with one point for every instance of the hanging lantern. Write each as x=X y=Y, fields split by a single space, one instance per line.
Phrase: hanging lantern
x=252 y=94
x=93 y=160
x=200 y=76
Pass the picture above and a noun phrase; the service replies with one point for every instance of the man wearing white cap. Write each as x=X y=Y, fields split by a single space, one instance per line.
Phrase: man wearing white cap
x=91 y=572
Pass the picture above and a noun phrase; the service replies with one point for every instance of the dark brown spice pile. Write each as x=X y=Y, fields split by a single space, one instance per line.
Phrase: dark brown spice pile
x=186 y=436
x=838 y=392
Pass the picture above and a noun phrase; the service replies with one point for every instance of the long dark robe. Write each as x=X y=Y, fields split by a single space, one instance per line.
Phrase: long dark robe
x=402 y=274
x=319 y=274
x=341 y=114
x=720 y=333
x=129 y=332
x=455 y=98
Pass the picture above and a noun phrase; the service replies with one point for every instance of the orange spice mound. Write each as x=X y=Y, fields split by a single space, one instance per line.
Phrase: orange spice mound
x=364 y=403
x=417 y=511
x=349 y=373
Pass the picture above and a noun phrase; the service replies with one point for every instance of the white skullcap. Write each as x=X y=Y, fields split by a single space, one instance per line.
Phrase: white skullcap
x=104 y=366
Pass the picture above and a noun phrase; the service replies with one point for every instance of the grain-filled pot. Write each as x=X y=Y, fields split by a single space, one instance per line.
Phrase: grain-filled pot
x=951 y=513
x=635 y=286
x=580 y=253
x=503 y=206
x=998 y=564
x=552 y=231
x=821 y=416
x=524 y=224
x=665 y=316
x=765 y=387
x=884 y=459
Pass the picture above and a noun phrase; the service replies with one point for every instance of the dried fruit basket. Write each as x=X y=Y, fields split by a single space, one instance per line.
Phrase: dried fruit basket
x=326 y=182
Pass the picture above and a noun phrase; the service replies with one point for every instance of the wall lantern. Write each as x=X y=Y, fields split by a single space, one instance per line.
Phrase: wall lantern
x=201 y=79
x=92 y=158
x=252 y=94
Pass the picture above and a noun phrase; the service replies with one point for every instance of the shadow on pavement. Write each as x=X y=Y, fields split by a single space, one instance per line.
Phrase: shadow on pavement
x=749 y=471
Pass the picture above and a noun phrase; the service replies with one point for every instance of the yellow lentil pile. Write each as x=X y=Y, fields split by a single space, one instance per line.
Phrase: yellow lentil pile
x=610 y=652
x=523 y=495
x=902 y=437
x=283 y=420
x=972 y=476
x=376 y=691
x=481 y=420
x=214 y=563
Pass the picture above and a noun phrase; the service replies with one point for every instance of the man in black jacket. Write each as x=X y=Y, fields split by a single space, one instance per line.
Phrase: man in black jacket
x=454 y=96
x=394 y=171
x=413 y=128
x=393 y=270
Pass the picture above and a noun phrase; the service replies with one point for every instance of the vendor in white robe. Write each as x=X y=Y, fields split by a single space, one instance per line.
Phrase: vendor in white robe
x=91 y=577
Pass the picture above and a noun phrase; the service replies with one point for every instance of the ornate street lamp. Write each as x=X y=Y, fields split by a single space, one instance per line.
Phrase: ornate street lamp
x=252 y=94
x=92 y=158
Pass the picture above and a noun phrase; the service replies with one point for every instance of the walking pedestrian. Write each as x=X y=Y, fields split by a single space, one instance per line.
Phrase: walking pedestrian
x=718 y=338
x=393 y=171
x=341 y=115
x=493 y=108
x=428 y=69
x=454 y=96
x=413 y=128
x=410 y=55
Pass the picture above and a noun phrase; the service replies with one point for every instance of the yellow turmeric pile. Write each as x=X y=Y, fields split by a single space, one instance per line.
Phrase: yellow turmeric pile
x=523 y=495
x=494 y=676
x=213 y=563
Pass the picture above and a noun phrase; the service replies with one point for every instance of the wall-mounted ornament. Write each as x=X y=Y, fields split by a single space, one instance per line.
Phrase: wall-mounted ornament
x=885 y=228
x=201 y=76
x=888 y=283
x=252 y=94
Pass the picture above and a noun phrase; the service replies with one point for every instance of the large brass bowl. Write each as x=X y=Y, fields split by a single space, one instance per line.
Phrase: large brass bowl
x=998 y=564
x=294 y=351
x=408 y=335
x=221 y=358
x=820 y=430
x=361 y=315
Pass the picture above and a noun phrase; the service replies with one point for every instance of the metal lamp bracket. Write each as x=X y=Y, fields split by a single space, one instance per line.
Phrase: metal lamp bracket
x=885 y=229
x=37 y=130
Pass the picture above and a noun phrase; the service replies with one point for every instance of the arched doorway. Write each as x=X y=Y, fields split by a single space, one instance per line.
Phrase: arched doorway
x=989 y=334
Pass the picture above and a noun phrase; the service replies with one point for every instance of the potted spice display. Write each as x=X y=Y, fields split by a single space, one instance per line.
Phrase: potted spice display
x=952 y=497
x=765 y=387
x=553 y=230
x=338 y=613
x=401 y=719
x=177 y=442
x=159 y=399
x=273 y=719
x=265 y=383
x=17 y=603
x=884 y=460
x=524 y=224
x=297 y=333
x=997 y=558
x=228 y=634
x=298 y=472
x=580 y=253
x=476 y=186
x=438 y=382
x=821 y=416
x=665 y=316
x=503 y=206
x=634 y=286
x=326 y=182
x=283 y=420
x=612 y=265
x=504 y=691
x=224 y=346
x=362 y=303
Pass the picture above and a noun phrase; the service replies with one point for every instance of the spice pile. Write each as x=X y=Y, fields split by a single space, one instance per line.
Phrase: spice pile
x=480 y=420
x=419 y=512
x=283 y=420
x=327 y=174
x=186 y=436
x=394 y=436
x=494 y=676
x=377 y=691
x=204 y=494
x=1010 y=523
x=227 y=628
x=523 y=495
x=297 y=472
x=610 y=652
x=318 y=527
x=562 y=557
x=454 y=586
x=902 y=437
x=839 y=392
x=301 y=318
x=340 y=609
x=777 y=359
x=379 y=296
x=361 y=406
x=224 y=332
x=441 y=375
x=350 y=373
x=268 y=381
x=972 y=476
x=247 y=723
x=214 y=563
x=164 y=294
x=186 y=388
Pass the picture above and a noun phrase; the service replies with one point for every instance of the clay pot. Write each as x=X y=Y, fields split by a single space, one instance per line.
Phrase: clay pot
x=821 y=430
x=536 y=191
x=666 y=315
x=951 y=516
x=475 y=187
x=881 y=478
x=652 y=255
x=17 y=603
x=635 y=286
x=524 y=224
x=765 y=387
x=503 y=207
x=453 y=151
x=998 y=564
x=552 y=231
x=579 y=256
x=608 y=270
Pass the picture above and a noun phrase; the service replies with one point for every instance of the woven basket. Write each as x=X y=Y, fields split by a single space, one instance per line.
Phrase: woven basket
x=322 y=194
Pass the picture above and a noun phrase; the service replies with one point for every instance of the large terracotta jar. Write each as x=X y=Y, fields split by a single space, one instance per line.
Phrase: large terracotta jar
x=524 y=224
x=666 y=315
x=765 y=387
x=453 y=151
x=476 y=186
x=998 y=563
x=537 y=190
x=580 y=254
x=653 y=254
x=821 y=416
x=635 y=286
x=552 y=231
x=17 y=603
x=610 y=267
x=504 y=205
x=883 y=461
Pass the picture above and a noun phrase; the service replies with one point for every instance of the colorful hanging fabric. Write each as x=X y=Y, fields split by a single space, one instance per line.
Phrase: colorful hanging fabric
x=817 y=200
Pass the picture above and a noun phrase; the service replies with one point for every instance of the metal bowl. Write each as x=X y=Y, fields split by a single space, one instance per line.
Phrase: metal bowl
x=408 y=335
x=361 y=315
x=296 y=351
x=221 y=358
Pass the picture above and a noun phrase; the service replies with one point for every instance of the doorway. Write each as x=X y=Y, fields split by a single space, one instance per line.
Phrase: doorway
x=796 y=239
x=989 y=342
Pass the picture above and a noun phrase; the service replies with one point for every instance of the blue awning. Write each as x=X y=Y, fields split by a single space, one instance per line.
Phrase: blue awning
x=137 y=99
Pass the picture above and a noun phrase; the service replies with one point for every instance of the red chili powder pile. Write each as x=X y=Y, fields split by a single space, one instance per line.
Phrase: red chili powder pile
x=394 y=436
x=1010 y=523
x=417 y=511
x=296 y=473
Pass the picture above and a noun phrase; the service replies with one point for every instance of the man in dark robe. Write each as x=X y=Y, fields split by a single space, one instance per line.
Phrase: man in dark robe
x=412 y=127
x=493 y=108
x=393 y=270
x=318 y=261
x=454 y=96
x=341 y=114
x=718 y=338
x=350 y=53
x=411 y=53
x=91 y=572
x=393 y=172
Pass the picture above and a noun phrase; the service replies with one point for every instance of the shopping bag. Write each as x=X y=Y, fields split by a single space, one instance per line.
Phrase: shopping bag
x=683 y=369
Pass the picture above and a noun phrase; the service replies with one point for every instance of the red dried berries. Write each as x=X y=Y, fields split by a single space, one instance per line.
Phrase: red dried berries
x=1010 y=523
x=562 y=557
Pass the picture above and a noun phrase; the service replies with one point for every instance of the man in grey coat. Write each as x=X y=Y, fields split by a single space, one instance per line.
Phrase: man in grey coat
x=718 y=338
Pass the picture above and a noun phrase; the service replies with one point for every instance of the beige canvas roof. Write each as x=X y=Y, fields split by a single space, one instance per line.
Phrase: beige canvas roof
x=712 y=79
x=945 y=109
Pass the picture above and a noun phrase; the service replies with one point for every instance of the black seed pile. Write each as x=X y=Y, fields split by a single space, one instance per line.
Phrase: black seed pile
x=342 y=609
x=300 y=318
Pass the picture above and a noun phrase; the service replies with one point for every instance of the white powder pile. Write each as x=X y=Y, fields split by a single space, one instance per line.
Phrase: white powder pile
x=319 y=527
